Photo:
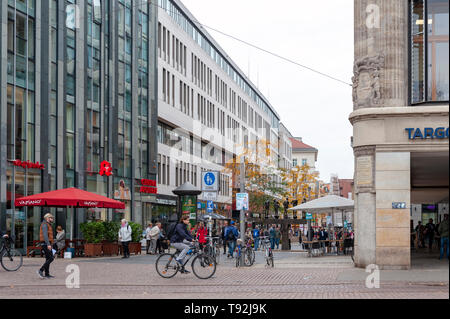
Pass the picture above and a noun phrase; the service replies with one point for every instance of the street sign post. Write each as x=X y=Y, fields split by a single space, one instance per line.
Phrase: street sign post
x=242 y=201
x=210 y=181
x=210 y=196
x=209 y=206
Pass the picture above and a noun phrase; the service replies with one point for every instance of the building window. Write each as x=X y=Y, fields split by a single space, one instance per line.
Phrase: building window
x=304 y=162
x=429 y=67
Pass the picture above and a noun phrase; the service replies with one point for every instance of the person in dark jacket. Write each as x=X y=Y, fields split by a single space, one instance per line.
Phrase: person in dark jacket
x=182 y=240
x=224 y=240
x=430 y=230
x=46 y=240
x=231 y=235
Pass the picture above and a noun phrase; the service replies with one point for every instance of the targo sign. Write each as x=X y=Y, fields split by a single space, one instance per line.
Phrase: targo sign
x=427 y=133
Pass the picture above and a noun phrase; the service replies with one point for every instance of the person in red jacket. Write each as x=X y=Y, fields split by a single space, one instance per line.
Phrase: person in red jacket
x=202 y=232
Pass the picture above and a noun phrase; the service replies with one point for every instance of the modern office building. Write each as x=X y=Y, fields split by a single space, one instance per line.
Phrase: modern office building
x=77 y=87
x=208 y=112
x=400 y=125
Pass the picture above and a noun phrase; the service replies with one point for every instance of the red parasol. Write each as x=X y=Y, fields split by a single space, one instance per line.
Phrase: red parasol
x=73 y=197
x=69 y=197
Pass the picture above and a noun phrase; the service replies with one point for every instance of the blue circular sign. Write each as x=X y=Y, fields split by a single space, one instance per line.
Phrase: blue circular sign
x=209 y=179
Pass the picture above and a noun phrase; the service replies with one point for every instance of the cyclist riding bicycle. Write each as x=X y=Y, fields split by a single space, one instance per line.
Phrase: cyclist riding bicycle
x=182 y=240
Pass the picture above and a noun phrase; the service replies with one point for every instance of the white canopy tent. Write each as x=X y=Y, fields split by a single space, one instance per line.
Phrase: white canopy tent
x=329 y=203
x=326 y=203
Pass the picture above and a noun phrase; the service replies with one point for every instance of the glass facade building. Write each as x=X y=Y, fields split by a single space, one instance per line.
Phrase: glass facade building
x=77 y=87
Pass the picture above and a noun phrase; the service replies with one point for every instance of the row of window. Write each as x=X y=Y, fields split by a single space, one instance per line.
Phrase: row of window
x=191 y=30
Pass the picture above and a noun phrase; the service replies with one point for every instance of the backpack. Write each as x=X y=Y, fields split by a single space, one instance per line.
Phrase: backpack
x=230 y=235
x=171 y=230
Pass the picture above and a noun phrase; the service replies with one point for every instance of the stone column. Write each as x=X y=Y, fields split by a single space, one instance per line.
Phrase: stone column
x=365 y=206
x=381 y=53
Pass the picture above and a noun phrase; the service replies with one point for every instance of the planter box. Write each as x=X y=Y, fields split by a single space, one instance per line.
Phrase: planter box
x=92 y=250
x=135 y=248
x=110 y=249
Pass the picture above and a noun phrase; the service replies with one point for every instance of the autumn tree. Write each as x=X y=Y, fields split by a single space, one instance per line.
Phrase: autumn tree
x=300 y=183
x=262 y=177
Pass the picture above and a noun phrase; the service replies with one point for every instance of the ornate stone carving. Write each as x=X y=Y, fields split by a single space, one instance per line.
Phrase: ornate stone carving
x=366 y=81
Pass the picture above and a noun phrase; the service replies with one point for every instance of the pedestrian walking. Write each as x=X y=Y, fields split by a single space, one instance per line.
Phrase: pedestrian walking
x=201 y=234
x=256 y=235
x=224 y=239
x=154 y=236
x=430 y=230
x=290 y=236
x=147 y=237
x=46 y=240
x=277 y=236
x=272 y=237
x=160 y=243
x=60 y=240
x=420 y=236
x=443 y=230
x=231 y=235
x=125 y=237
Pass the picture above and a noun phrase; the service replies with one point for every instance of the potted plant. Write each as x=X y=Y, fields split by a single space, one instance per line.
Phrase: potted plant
x=110 y=244
x=93 y=233
x=136 y=236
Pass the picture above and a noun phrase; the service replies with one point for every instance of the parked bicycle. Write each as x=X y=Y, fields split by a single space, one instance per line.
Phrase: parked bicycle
x=268 y=254
x=203 y=265
x=10 y=258
x=212 y=248
x=245 y=254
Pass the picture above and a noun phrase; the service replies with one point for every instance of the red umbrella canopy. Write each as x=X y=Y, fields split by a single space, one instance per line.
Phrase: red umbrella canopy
x=69 y=197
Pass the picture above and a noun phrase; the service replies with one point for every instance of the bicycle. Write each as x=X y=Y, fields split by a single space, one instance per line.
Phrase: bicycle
x=212 y=249
x=10 y=258
x=268 y=254
x=245 y=253
x=167 y=267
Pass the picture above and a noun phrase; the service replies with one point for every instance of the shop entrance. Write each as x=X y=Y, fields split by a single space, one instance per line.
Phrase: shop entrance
x=429 y=203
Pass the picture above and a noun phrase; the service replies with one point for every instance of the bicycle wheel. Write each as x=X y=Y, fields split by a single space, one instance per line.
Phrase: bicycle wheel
x=11 y=259
x=166 y=266
x=217 y=254
x=203 y=266
x=248 y=257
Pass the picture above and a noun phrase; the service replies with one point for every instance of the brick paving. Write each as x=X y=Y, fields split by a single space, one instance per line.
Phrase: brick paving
x=137 y=278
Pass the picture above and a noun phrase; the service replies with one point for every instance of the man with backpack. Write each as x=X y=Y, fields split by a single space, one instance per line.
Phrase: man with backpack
x=181 y=239
x=231 y=235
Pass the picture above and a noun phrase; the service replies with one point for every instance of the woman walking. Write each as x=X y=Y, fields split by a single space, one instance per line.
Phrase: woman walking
x=125 y=238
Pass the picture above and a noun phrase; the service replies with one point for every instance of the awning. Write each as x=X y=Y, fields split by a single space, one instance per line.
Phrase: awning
x=326 y=203
x=69 y=197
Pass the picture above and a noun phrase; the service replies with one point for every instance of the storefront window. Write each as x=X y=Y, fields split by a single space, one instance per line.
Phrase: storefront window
x=429 y=51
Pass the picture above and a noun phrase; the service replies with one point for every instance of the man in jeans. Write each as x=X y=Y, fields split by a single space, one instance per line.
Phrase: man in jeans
x=443 y=230
x=231 y=235
x=182 y=240
x=255 y=234
x=46 y=239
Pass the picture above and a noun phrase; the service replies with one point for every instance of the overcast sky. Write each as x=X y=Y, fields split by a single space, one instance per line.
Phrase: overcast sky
x=318 y=34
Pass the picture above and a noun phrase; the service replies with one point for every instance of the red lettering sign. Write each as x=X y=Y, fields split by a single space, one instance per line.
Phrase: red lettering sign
x=148 y=190
x=28 y=164
x=148 y=182
x=105 y=168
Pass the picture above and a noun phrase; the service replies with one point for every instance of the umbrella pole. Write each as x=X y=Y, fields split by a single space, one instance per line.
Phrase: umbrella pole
x=71 y=222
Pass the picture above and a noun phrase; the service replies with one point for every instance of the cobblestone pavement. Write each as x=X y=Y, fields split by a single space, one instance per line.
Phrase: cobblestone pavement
x=294 y=276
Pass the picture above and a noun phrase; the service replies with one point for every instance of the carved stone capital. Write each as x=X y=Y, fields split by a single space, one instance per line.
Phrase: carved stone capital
x=366 y=81
x=364 y=151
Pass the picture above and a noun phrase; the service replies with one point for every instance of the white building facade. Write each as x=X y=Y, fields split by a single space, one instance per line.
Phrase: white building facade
x=208 y=111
